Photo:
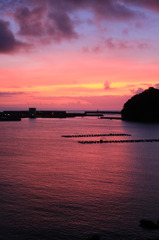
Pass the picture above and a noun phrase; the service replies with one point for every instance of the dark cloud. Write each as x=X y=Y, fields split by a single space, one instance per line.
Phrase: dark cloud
x=97 y=49
x=116 y=44
x=35 y=17
x=8 y=4
x=110 y=43
x=152 y=5
x=10 y=94
x=56 y=20
x=102 y=9
x=61 y=25
x=41 y=22
x=8 y=43
x=123 y=44
x=113 y=10
x=29 y=21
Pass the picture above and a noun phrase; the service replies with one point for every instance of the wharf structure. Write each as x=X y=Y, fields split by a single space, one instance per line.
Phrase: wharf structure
x=33 y=113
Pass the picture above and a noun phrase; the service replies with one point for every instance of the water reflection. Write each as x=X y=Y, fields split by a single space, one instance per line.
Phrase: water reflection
x=53 y=187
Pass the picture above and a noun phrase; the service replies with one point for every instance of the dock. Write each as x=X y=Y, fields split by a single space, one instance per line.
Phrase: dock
x=95 y=135
x=111 y=118
x=119 y=141
x=33 y=113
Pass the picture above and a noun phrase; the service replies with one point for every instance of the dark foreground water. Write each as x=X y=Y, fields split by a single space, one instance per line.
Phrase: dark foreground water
x=53 y=188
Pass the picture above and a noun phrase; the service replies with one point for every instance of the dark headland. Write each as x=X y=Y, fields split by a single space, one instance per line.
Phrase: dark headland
x=143 y=107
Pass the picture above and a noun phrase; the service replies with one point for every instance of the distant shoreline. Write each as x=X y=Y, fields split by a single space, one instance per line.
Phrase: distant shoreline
x=33 y=113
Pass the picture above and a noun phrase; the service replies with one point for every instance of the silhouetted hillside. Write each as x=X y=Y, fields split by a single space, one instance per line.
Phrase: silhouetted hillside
x=143 y=107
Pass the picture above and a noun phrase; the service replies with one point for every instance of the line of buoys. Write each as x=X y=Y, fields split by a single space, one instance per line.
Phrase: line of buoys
x=119 y=141
x=96 y=135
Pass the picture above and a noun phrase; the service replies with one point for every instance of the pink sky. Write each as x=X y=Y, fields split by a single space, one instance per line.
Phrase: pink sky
x=68 y=54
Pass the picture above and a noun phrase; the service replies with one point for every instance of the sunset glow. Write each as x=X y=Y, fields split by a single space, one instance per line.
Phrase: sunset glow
x=77 y=54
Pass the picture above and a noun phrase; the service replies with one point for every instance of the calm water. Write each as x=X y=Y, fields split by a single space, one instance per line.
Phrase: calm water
x=53 y=188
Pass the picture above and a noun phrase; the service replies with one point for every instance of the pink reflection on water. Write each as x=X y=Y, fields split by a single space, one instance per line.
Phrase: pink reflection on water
x=52 y=181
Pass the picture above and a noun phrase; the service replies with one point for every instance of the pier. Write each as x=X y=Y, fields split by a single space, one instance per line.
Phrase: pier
x=119 y=141
x=96 y=135
x=111 y=118
x=34 y=113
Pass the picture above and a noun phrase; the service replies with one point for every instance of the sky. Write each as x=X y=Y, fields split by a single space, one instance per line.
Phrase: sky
x=69 y=54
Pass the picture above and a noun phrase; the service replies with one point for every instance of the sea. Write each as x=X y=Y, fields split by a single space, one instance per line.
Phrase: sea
x=55 y=188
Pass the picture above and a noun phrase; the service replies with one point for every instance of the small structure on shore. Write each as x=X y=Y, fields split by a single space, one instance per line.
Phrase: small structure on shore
x=32 y=112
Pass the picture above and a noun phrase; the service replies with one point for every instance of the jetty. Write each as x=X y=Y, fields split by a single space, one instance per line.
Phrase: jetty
x=119 y=141
x=33 y=113
x=5 y=117
x=95 y=135
x=111 y=118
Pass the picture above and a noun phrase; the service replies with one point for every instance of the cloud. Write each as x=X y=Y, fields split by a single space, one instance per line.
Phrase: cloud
x=8 y=43
x=107 y=85
x=123 y=44
x=61 y=26
x=157 y=85
x=116 y=44
x=102 y=9
x=54 y=21
x=136 y=91
x=34 y=17
x=112 y=10
x=152 y=5
x=44 y=23
x=29 y=21
x=10 y=94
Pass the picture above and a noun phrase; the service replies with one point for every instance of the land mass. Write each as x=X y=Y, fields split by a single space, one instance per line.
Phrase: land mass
x=143 y=107
x=33 y=113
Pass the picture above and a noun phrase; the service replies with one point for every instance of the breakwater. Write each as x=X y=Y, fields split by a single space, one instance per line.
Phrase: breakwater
x=119 y=141
x=33 y=113
x=96 y=135
x=111 y=118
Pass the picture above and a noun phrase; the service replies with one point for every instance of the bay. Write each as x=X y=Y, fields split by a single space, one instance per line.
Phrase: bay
x=52 y=187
